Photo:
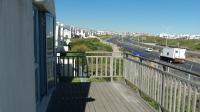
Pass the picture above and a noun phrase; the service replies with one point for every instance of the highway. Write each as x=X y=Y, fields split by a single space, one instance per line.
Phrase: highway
x=132 y=46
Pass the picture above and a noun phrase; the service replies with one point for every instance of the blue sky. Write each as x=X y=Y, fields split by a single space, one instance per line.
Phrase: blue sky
x=150 y=16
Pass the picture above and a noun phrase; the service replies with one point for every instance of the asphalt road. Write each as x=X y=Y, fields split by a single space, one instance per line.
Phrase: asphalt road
x=134 y=47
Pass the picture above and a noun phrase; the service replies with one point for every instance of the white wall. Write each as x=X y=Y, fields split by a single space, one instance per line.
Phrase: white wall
x=17 y=81
x=67 y=33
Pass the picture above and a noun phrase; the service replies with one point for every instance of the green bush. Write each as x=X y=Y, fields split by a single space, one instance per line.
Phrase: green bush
x=192 y=44
x=104 y=36
x=83 y=45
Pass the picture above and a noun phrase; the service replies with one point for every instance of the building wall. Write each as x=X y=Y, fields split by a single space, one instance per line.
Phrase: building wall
x=17 y=80
x=46 y=5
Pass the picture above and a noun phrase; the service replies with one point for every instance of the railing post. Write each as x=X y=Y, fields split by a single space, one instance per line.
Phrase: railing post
x=111 y=68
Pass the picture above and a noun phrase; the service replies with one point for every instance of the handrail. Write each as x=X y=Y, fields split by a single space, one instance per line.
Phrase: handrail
x=165 y=64
x=170 y=91
x=167 y=73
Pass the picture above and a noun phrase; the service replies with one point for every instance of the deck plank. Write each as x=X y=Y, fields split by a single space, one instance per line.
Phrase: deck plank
x=108 y=98
x=96 y=97
x=100 y=92
x=121 y=106
x=124 y=102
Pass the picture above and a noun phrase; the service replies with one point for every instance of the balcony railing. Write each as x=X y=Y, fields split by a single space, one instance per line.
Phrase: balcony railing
x=172 y=88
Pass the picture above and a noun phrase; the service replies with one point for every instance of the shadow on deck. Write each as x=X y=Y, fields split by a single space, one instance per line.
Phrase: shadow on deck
x=96 y=97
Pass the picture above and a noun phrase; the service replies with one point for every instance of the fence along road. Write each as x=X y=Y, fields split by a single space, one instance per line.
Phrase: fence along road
x=172 y=92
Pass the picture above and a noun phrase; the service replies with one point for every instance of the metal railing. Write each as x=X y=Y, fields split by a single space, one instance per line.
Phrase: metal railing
x=173 y=92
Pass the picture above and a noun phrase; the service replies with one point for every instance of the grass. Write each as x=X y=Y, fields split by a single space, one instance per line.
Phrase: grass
x=84 y=45
x=192 y=44
x=104 y=36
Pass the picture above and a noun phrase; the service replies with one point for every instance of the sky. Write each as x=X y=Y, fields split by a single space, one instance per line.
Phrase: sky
x=149 y=16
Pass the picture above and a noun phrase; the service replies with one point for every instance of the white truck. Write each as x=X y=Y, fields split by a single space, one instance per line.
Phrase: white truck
x=173 y=54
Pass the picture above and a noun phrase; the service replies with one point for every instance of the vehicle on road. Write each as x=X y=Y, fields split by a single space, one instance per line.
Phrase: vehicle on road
x=138 y=54
x=173 y=54
x=149 y=49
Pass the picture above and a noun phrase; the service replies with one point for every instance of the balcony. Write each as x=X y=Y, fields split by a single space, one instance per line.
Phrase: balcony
x=131 y=84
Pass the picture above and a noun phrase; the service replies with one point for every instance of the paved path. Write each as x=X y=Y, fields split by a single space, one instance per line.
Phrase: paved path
x=96 y=97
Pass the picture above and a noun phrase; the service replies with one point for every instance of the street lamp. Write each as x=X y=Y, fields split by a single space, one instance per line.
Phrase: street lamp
x=166 y=41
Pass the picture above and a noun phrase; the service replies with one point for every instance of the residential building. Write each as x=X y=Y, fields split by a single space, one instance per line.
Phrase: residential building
x=27 y=60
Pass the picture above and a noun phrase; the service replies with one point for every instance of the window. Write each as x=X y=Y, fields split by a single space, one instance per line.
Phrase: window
x=167 y=53
x=36 y=52
x=50 y=50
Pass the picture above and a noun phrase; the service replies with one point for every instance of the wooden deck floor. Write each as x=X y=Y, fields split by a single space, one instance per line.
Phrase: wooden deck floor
x=96 y=97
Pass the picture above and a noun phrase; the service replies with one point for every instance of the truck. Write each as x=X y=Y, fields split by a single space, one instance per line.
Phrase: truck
x=173 y=55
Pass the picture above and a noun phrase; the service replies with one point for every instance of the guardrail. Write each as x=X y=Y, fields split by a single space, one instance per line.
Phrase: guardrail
x=72 y=64
x=90 y=64
x=173 y=92
x=170 y=87
x=105 y=64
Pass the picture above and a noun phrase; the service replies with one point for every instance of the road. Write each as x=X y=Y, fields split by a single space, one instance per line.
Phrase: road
x=133 y=46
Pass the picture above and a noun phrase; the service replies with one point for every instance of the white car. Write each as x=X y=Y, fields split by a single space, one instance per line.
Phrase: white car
x=149 y=49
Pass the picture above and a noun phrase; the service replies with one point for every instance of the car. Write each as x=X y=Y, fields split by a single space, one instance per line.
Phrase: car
x=149 y=49
x=141 y=54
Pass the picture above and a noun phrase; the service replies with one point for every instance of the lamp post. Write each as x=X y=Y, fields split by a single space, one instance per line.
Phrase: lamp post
x=166 y=41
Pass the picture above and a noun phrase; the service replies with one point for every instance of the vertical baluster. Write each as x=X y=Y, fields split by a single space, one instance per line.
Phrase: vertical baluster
x=145 y=77
x=163 y=90
x=92 y=66
x=183 y=98
x=135 y=72
x=111 y=68
x=132 y=72
x=87 y=64
x=155 y=84
x=148 y=87
x=158 y=87
x=151 y=83
x=179 y=97
x=106 y=69
x=96 y=66
x=167 y=93
x=189 y=98
x=101 y=66
x=63 y=66
x=78 y=72
x=82 y=64
x=194 y=100
x=124 y=68
x=68 y=73
x=120 y=62
x=141 y=78
x=73 y=66
x=170 y=97
x=174 y=98
x=115 y=66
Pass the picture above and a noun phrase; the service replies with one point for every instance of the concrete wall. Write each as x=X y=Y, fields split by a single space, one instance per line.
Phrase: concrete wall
x=17 y=81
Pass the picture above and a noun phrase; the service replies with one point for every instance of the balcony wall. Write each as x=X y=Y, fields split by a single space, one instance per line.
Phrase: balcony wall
x=17 y=84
